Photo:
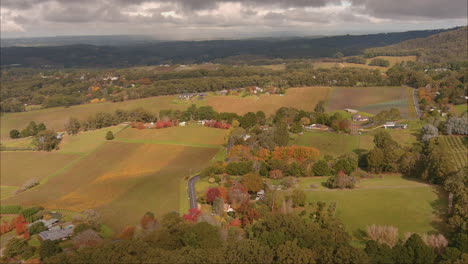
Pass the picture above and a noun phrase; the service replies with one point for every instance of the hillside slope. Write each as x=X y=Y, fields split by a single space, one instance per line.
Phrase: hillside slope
x=442 y=47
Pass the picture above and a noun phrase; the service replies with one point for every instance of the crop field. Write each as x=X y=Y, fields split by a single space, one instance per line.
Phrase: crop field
x=460 y=109
x=123 y=179
x=189 y=135
x=392 y=200
x=55 y=118
x=458 y=149
x=370 y=99
x=87 y=141
x=304 y=98
x=17 y=167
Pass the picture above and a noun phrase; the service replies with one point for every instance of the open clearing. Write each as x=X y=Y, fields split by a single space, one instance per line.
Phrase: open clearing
x=408 y=205
x=17 y=167
x=458 y=149
x=188 y=135
x=370 y=99
x=392 y=59
x=304 y=98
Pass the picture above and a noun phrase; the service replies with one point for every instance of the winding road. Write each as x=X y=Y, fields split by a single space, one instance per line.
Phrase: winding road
x=191 y=191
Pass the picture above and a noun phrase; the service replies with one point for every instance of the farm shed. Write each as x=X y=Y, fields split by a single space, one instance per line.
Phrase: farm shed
x=56 y=234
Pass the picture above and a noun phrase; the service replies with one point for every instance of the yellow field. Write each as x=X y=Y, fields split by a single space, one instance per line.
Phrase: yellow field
x=17 y=167
x=189 y=135
x=394 y=59
x=304 y=98
x=329 y=65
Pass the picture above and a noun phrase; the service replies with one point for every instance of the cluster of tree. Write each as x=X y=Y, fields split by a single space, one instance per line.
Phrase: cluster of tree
x=379 y=62
x=384 y=116
x=31 y=130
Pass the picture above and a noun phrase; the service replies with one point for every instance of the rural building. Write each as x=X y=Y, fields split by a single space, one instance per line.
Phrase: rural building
x=47 y=223
x=393 y=125
x=260 y=195
x=317 y=127
x=182 y=123
x=56 y=234
x=352 y=111
x=185 y=96
x=360 y=118
x=60 y=135
x=222 y=92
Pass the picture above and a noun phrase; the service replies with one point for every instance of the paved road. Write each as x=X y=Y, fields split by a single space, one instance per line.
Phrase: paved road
x=191 y=191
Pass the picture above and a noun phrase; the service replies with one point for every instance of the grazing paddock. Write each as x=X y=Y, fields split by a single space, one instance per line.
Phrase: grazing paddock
x=20 y=143
x=17 y=167
x=458 y=149
x=6 y=191
x=460 y=109
x=370 y=99
x=408 y=205
x=275 y=67
x=195 y=135
x=329 y=143
x=55 y=118
x=87 y=141
x=304 y=98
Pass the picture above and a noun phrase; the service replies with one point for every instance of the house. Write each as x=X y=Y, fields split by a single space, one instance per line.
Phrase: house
x=182 y=123
x=260 y=195
x=317 y=127
x=352 y=111
x=258 y=89
x=56 y=234
x=59 y=135
x=360 y=118
x=185 y=96
x=246 y=137
x=222 y=92
x=393 y=125
x=47 y=223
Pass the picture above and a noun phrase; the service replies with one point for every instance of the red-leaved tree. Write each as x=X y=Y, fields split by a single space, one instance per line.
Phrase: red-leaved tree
x=192 y=215
x=212 y=194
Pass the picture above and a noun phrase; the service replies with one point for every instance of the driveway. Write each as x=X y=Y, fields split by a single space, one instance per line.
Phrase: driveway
x=191 y=191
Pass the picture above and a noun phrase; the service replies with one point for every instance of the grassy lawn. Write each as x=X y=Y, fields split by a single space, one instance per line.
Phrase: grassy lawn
x=87 y=141
x=460 y=109
x=392 y=200
x=330 y=143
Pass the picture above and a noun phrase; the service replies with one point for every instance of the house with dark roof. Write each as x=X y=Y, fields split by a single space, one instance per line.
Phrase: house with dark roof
x=56 y=234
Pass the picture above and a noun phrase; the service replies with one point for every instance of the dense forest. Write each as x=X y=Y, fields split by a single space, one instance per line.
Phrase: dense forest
x=443 y=47
x=199 y=51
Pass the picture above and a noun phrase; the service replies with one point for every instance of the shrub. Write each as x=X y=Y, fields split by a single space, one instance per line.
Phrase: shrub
x=321 y=168
x=14 y=133
x=341 y=180
x=109 y=135
x=49 y=248
x=383 y=234
x=276 y=174
x=379 y=62
x=36 y=228
x=239 y=168
x=298 y=198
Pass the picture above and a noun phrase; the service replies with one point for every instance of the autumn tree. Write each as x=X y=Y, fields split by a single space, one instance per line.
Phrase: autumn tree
x=212 y=194
x=109 y=135
x=252 y=181
x=46 y=140
x=237 y=195
x=298 y=197
x=276 y=174
x=240 y=153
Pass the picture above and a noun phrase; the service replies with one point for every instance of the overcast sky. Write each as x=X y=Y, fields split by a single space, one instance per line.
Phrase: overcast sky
x=213 y=19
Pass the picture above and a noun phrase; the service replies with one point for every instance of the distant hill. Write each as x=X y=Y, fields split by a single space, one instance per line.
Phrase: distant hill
x=199 y=51
x=443 y=47
x=112 y=40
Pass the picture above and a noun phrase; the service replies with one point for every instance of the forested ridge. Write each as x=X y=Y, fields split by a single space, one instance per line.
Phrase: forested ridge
x=198 y=51
x=443 y=47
